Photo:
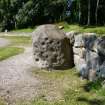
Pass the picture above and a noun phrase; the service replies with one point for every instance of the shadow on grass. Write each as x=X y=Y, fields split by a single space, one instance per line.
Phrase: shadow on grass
x=91 y=102
x=93 y=86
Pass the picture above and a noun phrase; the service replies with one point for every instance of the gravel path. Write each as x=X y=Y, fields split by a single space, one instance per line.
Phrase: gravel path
x=16 y=79
x=15 y=34
x=4 y=42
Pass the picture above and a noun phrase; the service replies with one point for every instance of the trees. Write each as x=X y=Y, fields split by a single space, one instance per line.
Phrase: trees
x=91 y=12
x=28 y=13
x=96 y=13
x=25 y=13
x=89 y=7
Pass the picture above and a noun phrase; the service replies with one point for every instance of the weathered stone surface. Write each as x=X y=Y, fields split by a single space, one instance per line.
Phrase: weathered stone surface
x=79 y=62
x=71 y=36
x=79 y=41
x=86 y=41
x=101 y=71
x=51 y=48
x=101 y=45
x=89 y=41
x=79 y=51
x=87 y=59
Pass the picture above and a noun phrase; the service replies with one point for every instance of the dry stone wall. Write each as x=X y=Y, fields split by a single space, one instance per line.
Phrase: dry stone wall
x=89 y=56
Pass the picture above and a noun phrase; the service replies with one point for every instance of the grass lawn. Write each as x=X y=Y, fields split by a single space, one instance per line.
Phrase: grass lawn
x=1 y=102
x=9 y=51
x=66 y=88
x=19 y=40
x=12 y=50
x=72 y=27
x=78 y=28
x=24 y=30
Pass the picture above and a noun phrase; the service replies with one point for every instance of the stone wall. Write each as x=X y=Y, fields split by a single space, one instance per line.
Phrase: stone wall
x=89 y=55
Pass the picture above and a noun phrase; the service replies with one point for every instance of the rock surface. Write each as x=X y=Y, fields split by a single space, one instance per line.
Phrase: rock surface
x=89 y=56
x=51 y=48
x=71 y=36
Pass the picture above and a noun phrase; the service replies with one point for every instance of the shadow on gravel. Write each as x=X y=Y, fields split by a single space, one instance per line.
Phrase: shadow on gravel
x=91 y=102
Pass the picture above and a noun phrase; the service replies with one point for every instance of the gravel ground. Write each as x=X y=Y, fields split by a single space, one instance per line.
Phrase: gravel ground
x=4 y=42
x=16 y=34
x=16 y=79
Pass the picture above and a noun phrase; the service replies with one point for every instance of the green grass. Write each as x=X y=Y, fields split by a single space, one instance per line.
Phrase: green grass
x=78 y=28
x=24 y=30
x=71 y=27
x=2 y=102
x=65 y=88
x=12 y=50
x=19 y=40
x=98 y=30
x=9 y=51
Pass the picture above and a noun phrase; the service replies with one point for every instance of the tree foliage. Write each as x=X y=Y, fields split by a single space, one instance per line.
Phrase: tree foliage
x=28 y=13
x=25 y=13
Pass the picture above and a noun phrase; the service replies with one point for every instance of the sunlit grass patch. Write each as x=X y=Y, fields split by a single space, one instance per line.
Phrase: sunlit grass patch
x=19 y=40
x=80 y=28
x=2 y=102
x=9 y=51
x=24 y=30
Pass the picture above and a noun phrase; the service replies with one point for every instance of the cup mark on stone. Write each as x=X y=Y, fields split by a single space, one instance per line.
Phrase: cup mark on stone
x=43 y=43
x=46 y=39
x=37 y=59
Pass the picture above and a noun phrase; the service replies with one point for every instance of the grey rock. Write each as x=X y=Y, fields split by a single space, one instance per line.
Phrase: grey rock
x=101 y=45
x=79 y=51
x=89 y=56
x=71 y=36
x=51 y=48
x=101 y=71
x=79 y=41
x=79 y=62
x=92 y=60
x=89 y=41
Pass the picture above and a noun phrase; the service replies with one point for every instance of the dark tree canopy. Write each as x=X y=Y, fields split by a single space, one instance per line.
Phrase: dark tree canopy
x=15 y=14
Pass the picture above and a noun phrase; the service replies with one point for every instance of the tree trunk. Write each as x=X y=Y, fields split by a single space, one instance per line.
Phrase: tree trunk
x=96 y=13
x=79 y=11
x=88 y=23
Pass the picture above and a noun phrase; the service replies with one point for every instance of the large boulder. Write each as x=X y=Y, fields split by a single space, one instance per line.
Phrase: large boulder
x=51 y=48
